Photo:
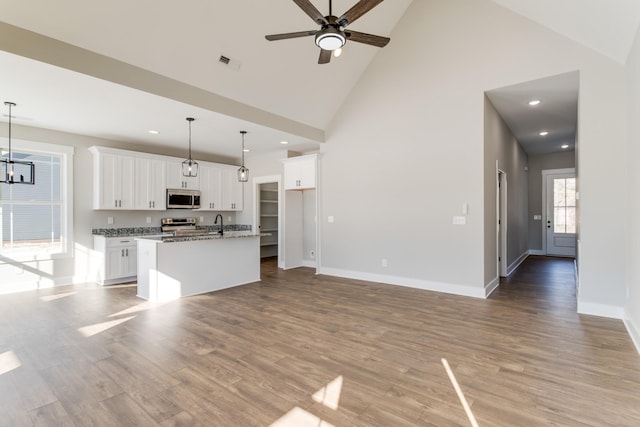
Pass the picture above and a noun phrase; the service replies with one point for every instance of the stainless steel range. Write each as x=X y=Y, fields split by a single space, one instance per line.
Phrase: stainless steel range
x=182 y=227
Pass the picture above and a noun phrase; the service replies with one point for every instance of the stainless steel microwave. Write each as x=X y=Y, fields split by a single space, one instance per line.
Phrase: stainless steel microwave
x=183 y=199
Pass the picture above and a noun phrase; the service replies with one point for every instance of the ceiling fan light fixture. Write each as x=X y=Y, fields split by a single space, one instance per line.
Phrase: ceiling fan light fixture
x=330 y=38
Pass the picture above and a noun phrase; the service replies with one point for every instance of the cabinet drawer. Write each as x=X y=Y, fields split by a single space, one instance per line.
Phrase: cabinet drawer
x=116 y=242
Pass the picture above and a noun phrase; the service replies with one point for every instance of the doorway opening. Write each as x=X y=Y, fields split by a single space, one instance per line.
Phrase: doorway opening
x=502 y=223
x=268 y=217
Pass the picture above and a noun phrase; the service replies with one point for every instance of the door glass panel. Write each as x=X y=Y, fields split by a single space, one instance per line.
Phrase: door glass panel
x=564 y=205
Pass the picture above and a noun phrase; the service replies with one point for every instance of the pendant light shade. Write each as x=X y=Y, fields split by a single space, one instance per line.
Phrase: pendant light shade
x=243 y=172
x=190 y=166
x=15 y=171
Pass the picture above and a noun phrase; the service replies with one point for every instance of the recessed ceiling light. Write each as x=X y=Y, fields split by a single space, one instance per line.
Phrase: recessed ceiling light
x=154 y=132
x=564 y=146
x=284 y=142
x=246 y=150
x=534 y=102
x=544 y=133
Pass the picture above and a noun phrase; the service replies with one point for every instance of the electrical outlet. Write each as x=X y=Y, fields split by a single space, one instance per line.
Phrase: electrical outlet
x=201 y=219
x=459 y=220
x=148 y=220
x=229 y=219
x=312 y=254
x=384 y=262
x=109 y=220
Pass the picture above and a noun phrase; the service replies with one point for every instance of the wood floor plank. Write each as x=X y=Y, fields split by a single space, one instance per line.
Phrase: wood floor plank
x=257 y=354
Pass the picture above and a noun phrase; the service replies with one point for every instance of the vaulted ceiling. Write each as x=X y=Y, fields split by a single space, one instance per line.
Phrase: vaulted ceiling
x=157 y=62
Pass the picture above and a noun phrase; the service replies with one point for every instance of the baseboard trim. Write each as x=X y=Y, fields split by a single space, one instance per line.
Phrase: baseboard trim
x=536 y=252
x=633 y=331
x=491 y=286
x=602 y=310
x=426 y=285
x=309 y=263
x=515 y=264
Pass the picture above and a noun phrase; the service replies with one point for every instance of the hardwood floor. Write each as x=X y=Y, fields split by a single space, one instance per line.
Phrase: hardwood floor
x=303 y=350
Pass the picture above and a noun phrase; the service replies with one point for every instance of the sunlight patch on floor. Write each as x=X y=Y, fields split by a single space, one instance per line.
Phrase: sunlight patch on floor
x=8 y=362
x=143 y=306
x=298 y=417
x=329 y=395
x=91 y=330
x=48 y=298
x=463 y=400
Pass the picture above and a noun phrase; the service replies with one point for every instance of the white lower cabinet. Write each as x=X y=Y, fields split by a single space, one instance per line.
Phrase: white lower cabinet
x=118 y=259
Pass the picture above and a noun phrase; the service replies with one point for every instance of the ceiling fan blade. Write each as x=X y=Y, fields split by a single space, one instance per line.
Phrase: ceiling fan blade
x=311 y=10
x=325 y=56
x=365 y=38
x=357 y=10
x=285 y=36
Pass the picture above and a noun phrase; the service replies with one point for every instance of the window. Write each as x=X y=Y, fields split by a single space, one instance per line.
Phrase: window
x=564 y=205
x=37 y=219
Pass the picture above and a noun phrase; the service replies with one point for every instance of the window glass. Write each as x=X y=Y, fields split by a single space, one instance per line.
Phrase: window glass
x=32 y=215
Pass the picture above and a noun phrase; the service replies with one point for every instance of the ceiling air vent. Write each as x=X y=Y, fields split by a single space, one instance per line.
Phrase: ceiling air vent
x=231 y=63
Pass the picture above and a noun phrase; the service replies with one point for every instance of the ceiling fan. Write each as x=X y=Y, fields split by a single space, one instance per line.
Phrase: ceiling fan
x=333 y=34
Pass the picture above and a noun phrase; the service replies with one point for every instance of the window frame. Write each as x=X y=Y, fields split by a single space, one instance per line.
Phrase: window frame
x=66 y=153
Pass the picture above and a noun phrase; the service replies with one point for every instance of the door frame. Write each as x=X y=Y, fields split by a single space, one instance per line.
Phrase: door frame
x=545 y=174
x=256 y=207
x=501 y=222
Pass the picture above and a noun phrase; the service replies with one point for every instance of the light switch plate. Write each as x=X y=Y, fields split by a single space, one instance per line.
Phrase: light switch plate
x=459 y=220
x=537 y=217
x=330 y=219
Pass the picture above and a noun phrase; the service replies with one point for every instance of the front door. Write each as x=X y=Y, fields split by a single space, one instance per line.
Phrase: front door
x=561 y=214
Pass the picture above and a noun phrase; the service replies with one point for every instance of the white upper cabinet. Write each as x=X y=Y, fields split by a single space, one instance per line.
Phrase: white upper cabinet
x=150 y=184
x=113 y=186
x=232 y=190
x=210 y=187
x=175 y=179
x=300 y=172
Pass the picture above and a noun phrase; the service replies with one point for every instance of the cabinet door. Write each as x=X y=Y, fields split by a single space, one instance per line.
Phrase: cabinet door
x=130 y=261
x=116 y=177
x=300 y=173
x=210 y=188
x=150 y=184
x=232 y=190
x=114 y=261
x=175 y=179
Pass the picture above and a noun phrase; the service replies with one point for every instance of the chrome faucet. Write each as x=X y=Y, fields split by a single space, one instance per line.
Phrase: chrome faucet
x=221 y=232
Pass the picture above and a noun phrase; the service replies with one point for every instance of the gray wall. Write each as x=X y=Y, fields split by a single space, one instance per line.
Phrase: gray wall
x=501 y=146
x=538 y=163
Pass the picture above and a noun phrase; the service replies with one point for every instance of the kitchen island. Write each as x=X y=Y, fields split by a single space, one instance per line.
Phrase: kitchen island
x=173 y=267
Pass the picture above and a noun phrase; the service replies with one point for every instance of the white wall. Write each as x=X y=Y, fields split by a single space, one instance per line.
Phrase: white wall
x=502 y=148
x=632 y=308
x=405 y=150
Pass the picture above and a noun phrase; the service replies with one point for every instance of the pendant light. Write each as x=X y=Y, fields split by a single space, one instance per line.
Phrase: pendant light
x=243 y=173
x=15 y=171
x=190 y=166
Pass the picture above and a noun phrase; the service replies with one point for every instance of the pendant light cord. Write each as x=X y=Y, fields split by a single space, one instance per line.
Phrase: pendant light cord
x=10 y=104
